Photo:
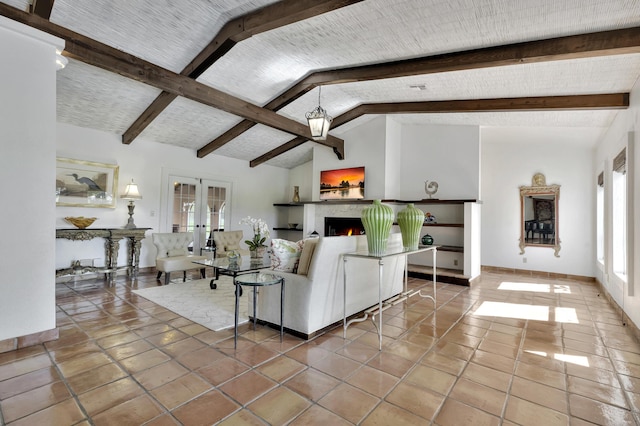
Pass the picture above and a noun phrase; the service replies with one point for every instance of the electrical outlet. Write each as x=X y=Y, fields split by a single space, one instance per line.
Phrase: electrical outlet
x=152 y=213
x=524 y=260
x=455 y=262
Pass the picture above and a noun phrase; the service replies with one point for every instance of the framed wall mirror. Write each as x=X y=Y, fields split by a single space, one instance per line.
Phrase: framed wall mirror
x=539 y=215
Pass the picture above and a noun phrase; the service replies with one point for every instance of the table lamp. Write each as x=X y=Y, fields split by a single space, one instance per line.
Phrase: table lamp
x=131 y=193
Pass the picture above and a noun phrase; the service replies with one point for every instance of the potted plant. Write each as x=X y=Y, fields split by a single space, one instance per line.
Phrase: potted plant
x=260 y=230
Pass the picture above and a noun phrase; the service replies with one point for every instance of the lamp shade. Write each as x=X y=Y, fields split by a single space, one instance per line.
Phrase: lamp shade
x=131 y=192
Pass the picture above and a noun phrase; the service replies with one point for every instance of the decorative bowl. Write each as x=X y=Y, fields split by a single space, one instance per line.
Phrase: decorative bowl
x=293 y=225
x=80 y=221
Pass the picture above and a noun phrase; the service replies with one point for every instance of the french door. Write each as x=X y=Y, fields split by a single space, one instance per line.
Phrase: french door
x=197 y=205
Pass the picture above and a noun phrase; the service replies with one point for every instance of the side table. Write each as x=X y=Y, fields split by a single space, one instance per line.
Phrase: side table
x=256 y=280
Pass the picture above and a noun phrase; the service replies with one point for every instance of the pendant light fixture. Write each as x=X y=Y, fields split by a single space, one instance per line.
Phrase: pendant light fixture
x=319 y=121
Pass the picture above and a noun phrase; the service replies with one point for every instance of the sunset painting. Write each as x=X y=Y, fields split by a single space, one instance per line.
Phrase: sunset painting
x=342 y=184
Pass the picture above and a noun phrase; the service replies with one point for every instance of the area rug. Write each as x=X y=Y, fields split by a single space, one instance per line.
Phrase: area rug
x=196 y=301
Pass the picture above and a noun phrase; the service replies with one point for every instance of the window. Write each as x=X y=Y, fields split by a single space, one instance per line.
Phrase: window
x=600 y=218
x=619 y=214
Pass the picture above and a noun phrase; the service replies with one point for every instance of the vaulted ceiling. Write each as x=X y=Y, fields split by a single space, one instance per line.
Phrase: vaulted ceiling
x=236 y=77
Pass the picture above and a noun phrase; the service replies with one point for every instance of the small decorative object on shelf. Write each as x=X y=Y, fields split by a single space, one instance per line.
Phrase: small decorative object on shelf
x=429 y=218
x=377 y=220
x=80 y=222
x=296 y=194
x=410 y=220
x=430 y=188
x=292 y=225
x=233 y=257
x=427 y=240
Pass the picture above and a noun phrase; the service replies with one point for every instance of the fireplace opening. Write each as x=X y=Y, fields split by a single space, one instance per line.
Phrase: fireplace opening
x=335 y=226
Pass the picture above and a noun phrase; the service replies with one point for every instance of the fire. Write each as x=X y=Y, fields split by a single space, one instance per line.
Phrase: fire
x=349 y=232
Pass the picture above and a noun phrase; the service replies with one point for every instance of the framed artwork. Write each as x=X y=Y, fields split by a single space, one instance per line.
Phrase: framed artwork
x=85 y=183
x=342 y=184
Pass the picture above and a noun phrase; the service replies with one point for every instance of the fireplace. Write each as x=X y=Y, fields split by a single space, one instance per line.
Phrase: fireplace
x=334 y=226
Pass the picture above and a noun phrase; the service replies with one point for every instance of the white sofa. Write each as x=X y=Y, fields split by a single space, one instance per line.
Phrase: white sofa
x=173 y=254
x=315 y=301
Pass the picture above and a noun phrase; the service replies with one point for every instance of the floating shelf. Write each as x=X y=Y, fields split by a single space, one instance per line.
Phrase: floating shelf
x=391 y=201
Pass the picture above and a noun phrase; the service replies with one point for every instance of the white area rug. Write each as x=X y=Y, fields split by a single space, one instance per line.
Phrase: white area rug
x=196 y=301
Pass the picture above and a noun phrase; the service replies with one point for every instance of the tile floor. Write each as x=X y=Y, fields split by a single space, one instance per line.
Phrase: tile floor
x=510 y=350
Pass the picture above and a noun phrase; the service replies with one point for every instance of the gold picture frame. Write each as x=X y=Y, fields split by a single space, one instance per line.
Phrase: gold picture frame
x=85 y=183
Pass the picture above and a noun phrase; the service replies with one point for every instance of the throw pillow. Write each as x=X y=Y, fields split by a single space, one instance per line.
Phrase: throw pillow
x=285 y=255
x=176 y=252
x=308 y=249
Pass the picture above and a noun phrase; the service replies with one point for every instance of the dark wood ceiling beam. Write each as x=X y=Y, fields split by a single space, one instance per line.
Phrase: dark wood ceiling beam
x=267 y=18
x=42 y=8
x=537 y=103
x=616 y=42
x=100 y=55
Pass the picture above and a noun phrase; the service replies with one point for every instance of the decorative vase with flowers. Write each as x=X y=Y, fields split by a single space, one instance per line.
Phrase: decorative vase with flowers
x=257 y=246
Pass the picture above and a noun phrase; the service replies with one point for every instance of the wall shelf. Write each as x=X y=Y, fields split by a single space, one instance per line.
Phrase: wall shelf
x=391 y=201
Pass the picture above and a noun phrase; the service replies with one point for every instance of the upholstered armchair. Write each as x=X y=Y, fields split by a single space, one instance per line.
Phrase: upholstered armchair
x=173 y=254
x=228 y=240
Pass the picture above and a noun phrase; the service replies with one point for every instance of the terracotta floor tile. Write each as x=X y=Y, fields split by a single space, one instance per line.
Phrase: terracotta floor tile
x=144 y=360
x=222 y=370
x=83 y=363
x=177 y=392
x=247 y=387
x=64 y=413
x=479 y=396
x=418 y=400
x=69 y=352
x=541 y=375
x=98 y=400
x=454 y=413
x=495 y=361
x=25 y=365
x=281 y=368
x=133 y=412
x=406 y=350
x=312 y=384
x=160 y=374
x=183 y=347
x=605 y=377
x=373 y=381
x=27 y=382
x=206 y=409
x=318 y=416
x=307 y=354
x=243 y=417
x=166 y=338
x=335 y=365
x=390 y=363
x=279 y=406
x=603 y=393
x=349 y=402
x=358 y=351
x=34 y=400
x=129 y=349
x=524 y=412
x=256 y=355
x=431 y=378
x=200 y=358
x=83 y=382
x=389 y=414
x=447 y=364
x=540 y=394
x=487 y=376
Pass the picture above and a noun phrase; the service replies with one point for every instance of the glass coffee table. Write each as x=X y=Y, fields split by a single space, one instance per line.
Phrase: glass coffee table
x=244 y=265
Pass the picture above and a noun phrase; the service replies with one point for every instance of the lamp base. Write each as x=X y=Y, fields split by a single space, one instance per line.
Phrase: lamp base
x=130 y=224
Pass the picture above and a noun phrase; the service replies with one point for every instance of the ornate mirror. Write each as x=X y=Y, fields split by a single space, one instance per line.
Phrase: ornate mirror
x=539 y=215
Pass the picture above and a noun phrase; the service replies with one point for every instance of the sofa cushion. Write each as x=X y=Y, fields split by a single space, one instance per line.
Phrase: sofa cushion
x=285 y=254
x=306 y=255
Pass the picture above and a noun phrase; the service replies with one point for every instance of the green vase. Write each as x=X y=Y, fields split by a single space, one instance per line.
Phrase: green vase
x=377 y=220
x=410 y=220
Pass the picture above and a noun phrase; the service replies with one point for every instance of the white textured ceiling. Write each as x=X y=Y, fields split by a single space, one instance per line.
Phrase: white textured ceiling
x=171 y=33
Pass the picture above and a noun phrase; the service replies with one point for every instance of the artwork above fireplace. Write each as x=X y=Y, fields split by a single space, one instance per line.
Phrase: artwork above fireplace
x=335 y=226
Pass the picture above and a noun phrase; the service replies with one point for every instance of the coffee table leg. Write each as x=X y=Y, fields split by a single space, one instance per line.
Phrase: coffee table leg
x=254 y=307
x=235 y=325
x=281 y=309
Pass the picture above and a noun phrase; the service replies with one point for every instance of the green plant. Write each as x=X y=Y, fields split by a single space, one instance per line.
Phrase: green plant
x=260 y=232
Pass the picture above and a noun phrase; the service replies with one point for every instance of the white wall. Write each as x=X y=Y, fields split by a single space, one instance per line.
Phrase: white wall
x=27 y=169
x=510 y=158
x=625 y=129
x=254 y=190
x=449 y=155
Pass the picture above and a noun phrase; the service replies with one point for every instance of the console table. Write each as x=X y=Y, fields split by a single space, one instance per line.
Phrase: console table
x=112 y=238
x=384 y=305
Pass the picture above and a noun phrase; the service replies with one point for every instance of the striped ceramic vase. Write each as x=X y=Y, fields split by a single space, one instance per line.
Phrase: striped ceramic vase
x=377 y=220
x=410 y=220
